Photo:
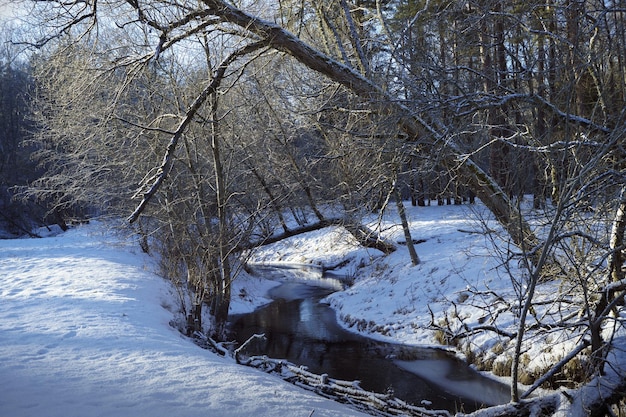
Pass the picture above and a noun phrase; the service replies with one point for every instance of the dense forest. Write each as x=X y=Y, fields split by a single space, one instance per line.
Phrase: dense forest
x=16 y=166
x=214 y=127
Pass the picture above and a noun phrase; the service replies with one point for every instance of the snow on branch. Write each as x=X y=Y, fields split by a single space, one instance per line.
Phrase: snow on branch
x=571 y=117
x=374 y=403
x=616 y=286
x=484 y=102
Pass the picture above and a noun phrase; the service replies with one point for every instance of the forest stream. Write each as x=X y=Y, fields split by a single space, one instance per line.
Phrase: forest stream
x=302 y=329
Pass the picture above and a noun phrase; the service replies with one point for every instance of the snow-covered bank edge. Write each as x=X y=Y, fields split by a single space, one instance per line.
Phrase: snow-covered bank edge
x=459 y=284
x=390 y=299
x=85 y=330
x=85 y=323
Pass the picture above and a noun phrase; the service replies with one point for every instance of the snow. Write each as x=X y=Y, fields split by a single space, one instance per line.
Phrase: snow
x=461 y=283
x=85 y=323
x=84 y=331
x=389 y=291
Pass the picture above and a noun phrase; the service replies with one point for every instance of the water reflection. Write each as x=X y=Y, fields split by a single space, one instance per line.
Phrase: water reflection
x=457 y=378
x=304 y=331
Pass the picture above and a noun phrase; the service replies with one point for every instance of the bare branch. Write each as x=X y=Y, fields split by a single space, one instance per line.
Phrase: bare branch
x=166 y=164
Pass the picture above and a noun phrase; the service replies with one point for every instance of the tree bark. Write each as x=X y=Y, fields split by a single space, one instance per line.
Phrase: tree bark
x=616 y=242
x=615 y=262
x=222 y=296
x=415 y=260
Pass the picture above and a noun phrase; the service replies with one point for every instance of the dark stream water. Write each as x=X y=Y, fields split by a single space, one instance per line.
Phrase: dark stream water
x=304 y=331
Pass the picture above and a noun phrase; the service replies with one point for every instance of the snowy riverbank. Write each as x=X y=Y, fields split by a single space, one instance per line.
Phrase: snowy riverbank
x=84 y=331
x=85 y=322
x=463 y=286
x=392 y=299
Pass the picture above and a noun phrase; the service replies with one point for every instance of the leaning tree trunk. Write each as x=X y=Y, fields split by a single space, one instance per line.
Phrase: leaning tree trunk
x=415 y=260
x=483 y=185
x=498 y=202
x=479 y=182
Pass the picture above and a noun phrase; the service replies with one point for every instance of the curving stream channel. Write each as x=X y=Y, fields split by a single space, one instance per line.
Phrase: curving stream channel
x=303 y=330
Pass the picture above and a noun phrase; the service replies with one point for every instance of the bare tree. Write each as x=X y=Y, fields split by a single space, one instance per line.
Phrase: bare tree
x=175 y=29
x=534 y=82
x=86 y=173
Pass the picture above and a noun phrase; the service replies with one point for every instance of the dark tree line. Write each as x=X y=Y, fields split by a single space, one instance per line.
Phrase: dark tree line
x=16 y=166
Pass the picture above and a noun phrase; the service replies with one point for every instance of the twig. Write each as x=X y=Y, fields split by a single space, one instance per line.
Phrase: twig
x=350 y=392
x=246 y=343
x=555 y=369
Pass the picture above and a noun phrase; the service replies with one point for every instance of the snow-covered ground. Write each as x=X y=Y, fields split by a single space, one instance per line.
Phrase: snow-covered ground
x=461 y=283
x=391 y=298
x=85 y=322
x=84 y=331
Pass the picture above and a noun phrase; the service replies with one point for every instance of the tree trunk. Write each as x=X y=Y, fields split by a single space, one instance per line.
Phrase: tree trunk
x=615 y=261
x=616 y=241
x=497 y=201
x=222 y=301
x=410 y=123
x=415 y=260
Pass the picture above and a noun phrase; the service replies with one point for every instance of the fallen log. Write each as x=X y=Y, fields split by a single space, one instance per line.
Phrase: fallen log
x=350 y=392
x=364 y=235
